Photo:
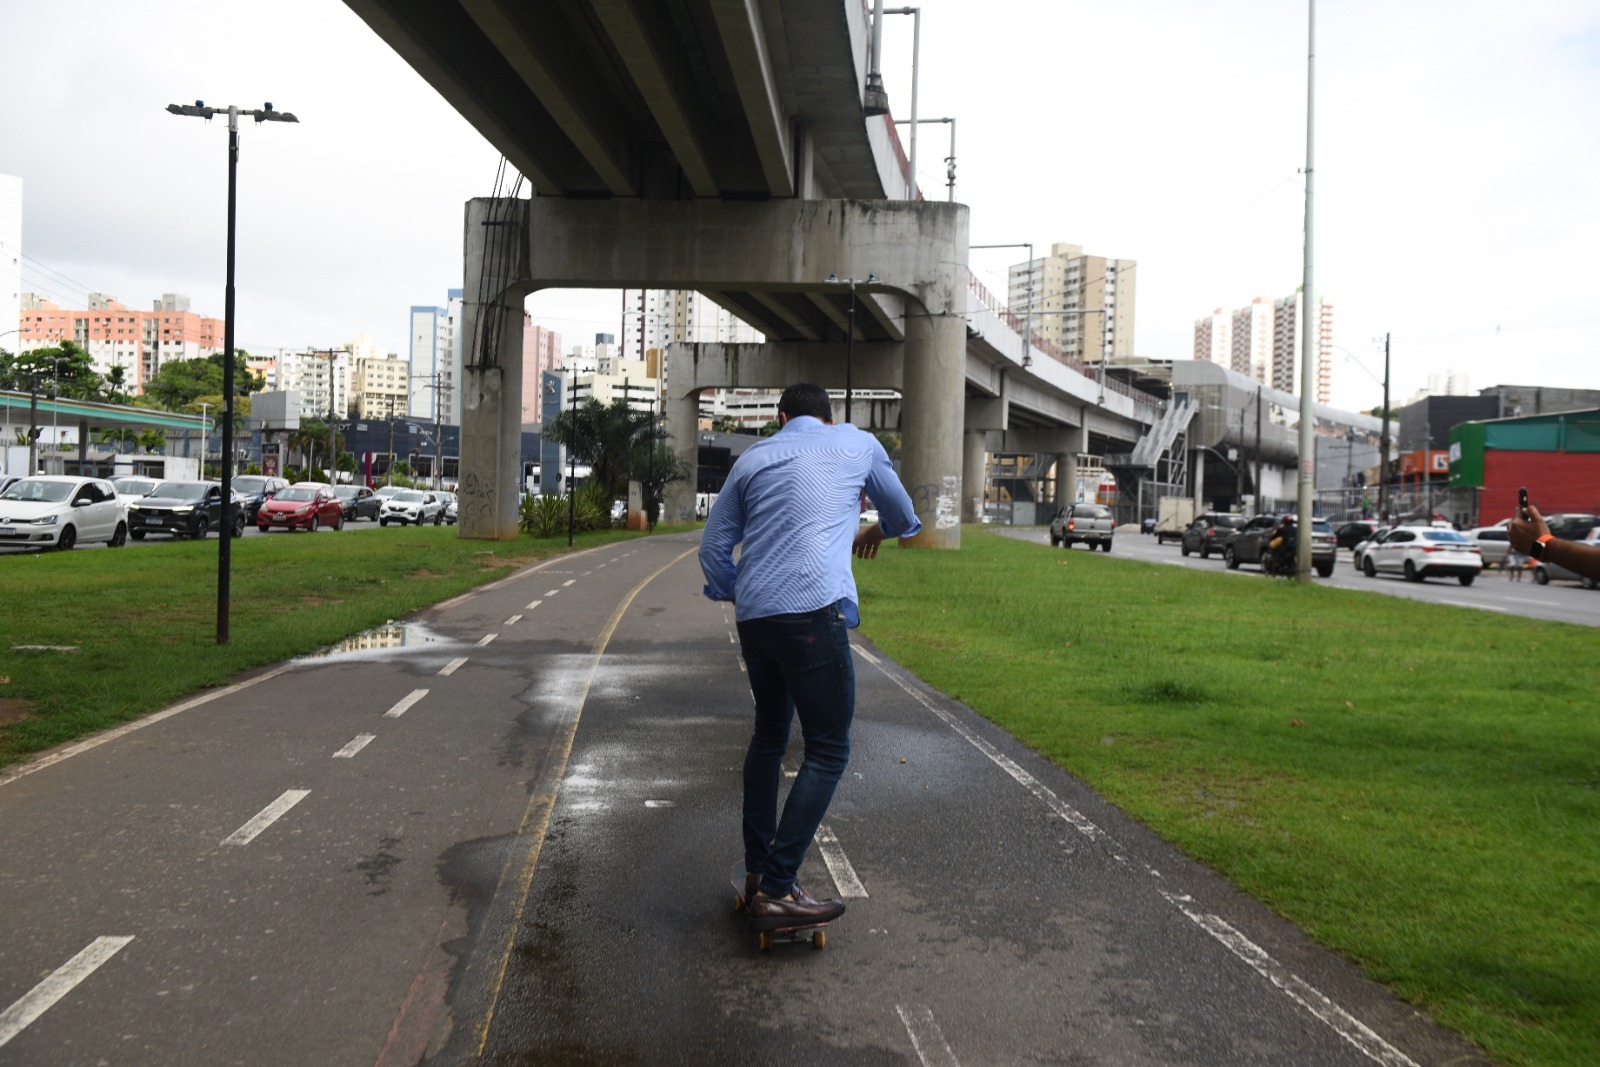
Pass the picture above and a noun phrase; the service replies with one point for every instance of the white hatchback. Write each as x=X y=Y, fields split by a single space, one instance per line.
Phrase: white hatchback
x=1420 y=552
x=415 y=506
x=49 y=511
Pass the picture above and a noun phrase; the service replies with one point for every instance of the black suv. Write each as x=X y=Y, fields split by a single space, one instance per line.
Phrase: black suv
x=182 y=509
x=1249 y=545
x=256 y=489
x=1209 y=533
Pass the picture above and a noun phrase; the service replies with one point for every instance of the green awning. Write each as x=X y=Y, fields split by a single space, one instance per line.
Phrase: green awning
x=14 y=408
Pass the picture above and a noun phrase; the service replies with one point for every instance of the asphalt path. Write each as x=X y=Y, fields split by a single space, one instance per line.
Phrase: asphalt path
x=500 y=833
x=1560 y=601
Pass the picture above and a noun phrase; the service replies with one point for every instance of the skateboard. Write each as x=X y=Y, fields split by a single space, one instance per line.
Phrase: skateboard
x=813 y=932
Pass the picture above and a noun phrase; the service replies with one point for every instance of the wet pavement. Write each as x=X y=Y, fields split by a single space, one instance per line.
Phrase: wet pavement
x=525 y=862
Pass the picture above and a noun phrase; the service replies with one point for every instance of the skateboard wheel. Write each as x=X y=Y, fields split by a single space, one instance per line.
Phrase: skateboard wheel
x=766 y=941
x=819 y=939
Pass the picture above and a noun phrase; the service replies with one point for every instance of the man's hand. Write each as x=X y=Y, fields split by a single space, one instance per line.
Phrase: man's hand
x=867 y=542
x=1525 y=530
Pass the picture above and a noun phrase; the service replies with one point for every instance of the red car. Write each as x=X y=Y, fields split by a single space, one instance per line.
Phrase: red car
x=302 y=506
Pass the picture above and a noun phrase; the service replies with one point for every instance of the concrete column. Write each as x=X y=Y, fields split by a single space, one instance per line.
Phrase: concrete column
x=1066 y=478
x=1197 y=460
x=682 y=422
x=974 y=459
x=491 y=373
x=931 y=424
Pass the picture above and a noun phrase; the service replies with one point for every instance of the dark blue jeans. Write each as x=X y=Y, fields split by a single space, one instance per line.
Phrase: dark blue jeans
x=799 y=665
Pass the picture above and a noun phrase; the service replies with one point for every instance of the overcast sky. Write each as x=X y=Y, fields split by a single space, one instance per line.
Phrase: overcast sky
x=1457 y=178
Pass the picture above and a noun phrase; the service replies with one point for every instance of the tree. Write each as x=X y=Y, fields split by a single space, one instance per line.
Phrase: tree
x=656 y=466
x=181 y=383
x=119 y=436
x=64 y=370
x=152 y=441
x=605 y=439
x=723 y=424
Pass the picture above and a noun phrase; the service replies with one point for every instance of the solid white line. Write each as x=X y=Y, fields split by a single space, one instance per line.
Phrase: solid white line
x=450 y=668
x=359 y=742
x=513 y=620
x=1337 y=1019
x=41 y=997
x=266 y=817
x=864 y=654
x=405 y=704
x=844 y=875
x=138 y=724
x=926 y=1037
x=535 y=604
x=486 y=639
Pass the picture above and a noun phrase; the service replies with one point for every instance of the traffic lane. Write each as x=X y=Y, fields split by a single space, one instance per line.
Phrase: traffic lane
x=975 y=892
x=1556 y=602
x=293 y=915
x=630 y=903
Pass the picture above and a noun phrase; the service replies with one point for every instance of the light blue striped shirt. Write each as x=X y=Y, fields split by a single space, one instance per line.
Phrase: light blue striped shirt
x=793 y=501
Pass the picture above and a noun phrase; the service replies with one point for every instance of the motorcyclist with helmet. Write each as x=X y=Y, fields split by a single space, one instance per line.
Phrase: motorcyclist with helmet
x=1282 y=546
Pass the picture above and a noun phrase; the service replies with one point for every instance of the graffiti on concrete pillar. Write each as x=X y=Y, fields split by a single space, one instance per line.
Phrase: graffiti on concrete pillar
x=941 y=500
x=477 y=498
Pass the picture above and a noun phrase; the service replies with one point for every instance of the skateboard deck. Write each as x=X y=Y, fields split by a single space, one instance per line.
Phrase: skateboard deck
x=812 y=932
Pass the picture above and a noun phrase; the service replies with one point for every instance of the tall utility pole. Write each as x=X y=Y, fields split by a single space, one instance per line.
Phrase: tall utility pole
x=1383 y=441
x=1308 y=332
x=203 y=409
x=262 y=114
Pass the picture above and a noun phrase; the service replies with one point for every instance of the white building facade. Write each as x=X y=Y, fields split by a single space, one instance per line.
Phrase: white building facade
x=435 y=359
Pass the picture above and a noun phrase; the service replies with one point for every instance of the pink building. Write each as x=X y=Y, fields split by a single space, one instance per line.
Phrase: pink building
x=115 y=335
x=541 y=351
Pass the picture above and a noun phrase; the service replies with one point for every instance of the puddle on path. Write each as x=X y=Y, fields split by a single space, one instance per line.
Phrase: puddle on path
x=381 y=641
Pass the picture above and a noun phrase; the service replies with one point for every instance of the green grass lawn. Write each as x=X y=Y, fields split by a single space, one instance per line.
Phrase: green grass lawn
x=143 y=619
x=1417 y=786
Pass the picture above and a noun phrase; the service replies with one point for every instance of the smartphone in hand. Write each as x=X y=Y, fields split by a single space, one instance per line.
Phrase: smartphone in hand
x=1522 y=503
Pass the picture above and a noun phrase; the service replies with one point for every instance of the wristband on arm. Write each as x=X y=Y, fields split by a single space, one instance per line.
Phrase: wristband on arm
x=1537 y=549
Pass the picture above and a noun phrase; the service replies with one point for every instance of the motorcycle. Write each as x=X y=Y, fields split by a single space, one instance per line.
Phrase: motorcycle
x=1279 y=559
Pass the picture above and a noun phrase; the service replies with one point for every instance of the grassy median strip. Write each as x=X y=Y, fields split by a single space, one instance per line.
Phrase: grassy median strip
x=121 y=632
x=1413 y=784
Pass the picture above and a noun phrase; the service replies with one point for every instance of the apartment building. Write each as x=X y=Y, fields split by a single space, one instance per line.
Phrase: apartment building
x=541 y=352
x=1286 y=346
x=117 y=336
x=322 y=378
x=381 y=386
x=435 y=360
x=1084 y=305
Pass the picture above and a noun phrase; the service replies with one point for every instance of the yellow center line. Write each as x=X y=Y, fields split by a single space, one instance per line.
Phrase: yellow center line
x=541 y=805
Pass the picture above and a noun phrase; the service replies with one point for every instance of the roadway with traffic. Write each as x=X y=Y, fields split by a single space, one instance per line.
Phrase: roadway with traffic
x=1559 y=601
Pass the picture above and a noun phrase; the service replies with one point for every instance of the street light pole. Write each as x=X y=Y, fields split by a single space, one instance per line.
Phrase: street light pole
x=203 y=409
x=850 y=331
x=264 y=114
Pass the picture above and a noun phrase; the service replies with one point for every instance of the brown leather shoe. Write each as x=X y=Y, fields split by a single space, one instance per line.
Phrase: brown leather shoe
x=752 y=883
x=799 y=908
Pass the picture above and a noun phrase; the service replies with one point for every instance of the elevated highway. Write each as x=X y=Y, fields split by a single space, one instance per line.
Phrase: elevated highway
x=723 y=146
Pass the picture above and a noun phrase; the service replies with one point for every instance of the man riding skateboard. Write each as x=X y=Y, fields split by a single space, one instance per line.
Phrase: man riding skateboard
x=792 y=502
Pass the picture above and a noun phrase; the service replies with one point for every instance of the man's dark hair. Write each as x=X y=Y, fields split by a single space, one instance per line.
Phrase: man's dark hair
x=806 y=398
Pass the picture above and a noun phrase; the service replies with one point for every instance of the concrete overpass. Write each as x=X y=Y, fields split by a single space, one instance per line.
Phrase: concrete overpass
x=722 y=146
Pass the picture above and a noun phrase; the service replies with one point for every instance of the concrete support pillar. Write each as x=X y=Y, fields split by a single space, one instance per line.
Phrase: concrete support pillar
x=1066 y=478
x=682 y=425
x=491 y=378
x=974 y=466
x=931 y=424
x=1197 y=463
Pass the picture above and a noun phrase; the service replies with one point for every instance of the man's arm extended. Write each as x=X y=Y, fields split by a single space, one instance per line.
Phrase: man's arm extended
x=724 y=529
x=1580 y=559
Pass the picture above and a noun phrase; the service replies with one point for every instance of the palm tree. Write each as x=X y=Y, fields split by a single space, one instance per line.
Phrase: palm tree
x=605 y=439
x=118 y=436
x=152 y=441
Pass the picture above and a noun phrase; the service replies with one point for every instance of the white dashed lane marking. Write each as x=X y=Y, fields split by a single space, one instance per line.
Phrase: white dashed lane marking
x=359 y=742
x=266 y=817
x=568 y=582
x=450 y=668
x=513 y=620
x=486 y=639
x=405 y=703
x=533 y=605
x=62 y=981
x=926 y=1037
x=844 y=875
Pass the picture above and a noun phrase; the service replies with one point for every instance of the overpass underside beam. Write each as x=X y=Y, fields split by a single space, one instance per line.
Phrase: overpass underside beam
x=776 y=256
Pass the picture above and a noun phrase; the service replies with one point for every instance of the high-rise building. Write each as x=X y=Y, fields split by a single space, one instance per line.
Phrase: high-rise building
x=1083 y=305
x=541 y=351
x=1213 y=338
x=382 y=386
x=322 y=378
x=436 y=360
x=1286 y=347
x=115 y=336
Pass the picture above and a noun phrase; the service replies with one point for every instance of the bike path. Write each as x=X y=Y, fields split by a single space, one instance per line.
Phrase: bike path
x=526 y=864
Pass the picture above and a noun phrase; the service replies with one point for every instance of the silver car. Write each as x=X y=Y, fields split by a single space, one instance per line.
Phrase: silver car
x=414 y=506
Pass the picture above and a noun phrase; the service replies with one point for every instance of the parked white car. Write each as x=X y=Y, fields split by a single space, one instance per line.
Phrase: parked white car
x=1420 y=552
x=415 y=506
x=50 y=511
x=130 y=488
